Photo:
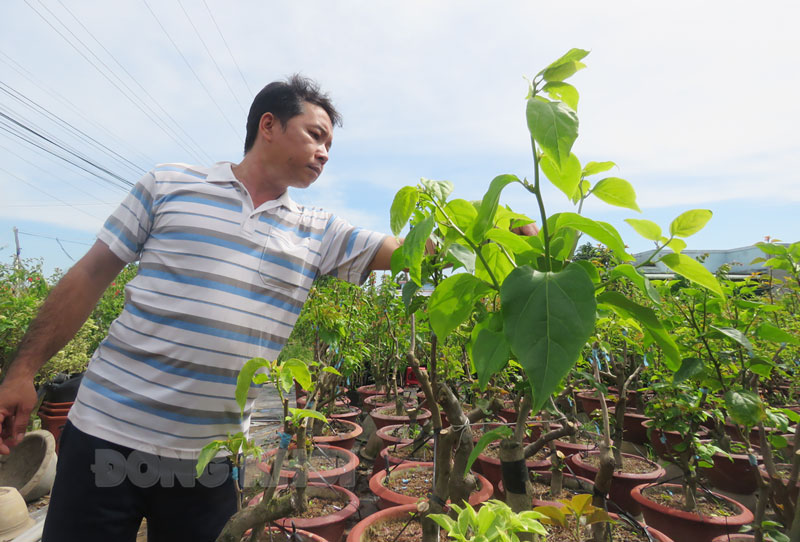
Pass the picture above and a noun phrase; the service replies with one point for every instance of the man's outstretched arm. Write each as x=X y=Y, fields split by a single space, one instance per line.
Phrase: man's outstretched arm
x=63 y=313
x=383 y=258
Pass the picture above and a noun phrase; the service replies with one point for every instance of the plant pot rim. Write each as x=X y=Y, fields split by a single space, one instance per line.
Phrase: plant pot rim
x=340 y=515
x=701 y=431
x=383 y=433
x=354 y=432
x=484 y=492
x=360 y=528
x=529 y=463
x=657 y=472
x=424 y=414
x=350 y=465
x=744 y=517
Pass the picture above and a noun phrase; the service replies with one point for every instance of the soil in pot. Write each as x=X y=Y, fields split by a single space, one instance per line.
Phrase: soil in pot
x=620 y=532
x=571 y=486
x=408 y=483
x=340 y=433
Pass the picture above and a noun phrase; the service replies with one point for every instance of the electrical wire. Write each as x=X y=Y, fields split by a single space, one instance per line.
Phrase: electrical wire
x=206 y=156
x=53 y=238
x=211 y=56
x=247 y=86
x=175 y=45
x=46 y=193
x=151 y=115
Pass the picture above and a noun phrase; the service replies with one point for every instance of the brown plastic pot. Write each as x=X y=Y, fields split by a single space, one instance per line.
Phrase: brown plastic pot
x=359 y=531
x=369 y=390
x=590 y=400
x=681 y=525
x=382 y=420
x=492 y=469
x=735 y=474
x=388 y=498
x=351 y=416
x=621 y=482
x=390 y=460
x=632 y=429
x=342 y=440
x=762 y=470
x=663 y=446
x=738 y=537
x=344 y=475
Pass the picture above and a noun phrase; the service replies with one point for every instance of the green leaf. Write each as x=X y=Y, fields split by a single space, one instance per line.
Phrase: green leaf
x=565 y=66
x=403 y=205
x=617 y=192
x=301 y=413
x=511 y=241
x=677 y=245
x=208 y=453
x=772 y=249
x=490 y=354
x=647 y=317
x=452 y=301
x=488 y=208
x=497 y=433
x=593 y=168
x=744 y=407
x=414 y=247
x=601 y=231
x=496 y=260
x=737 y=336
x=547 y=319
x=438 y=190
x=768 y=332
x=563 y=92
x=463 y=255
x=331 y=370
x=590 y=269
x=643 y=283
x=690 y=222
x=692 y=270
x=398 y=261
x=554 y=126
x=445 y=522
x=298 y=369
x=646 y=228
x=462 y=212
x=245 y=378
x=566 y=176
x=409 y=289
x=690 y=368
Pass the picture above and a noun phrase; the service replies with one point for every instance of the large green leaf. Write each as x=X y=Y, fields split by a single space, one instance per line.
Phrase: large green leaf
x=464 y=255
x=452 y=300
x=593 y=168
x=617 y=192
x=497 y=433
x=497 y=262
x=208 y=453
x=772 y=249
x=511 y=241
x=736 y=336
x=554 y=126
x=461 y=212
x=298 y=370
x=690 y=368
x=690 y=222
x=601 y=231
x=403 y=205
x=245 y=379
x=565 y=177
x=490 y=350
x=414 y=247
x=768 y=332
x=488 y=208
x=563 y=92
x=647 y=317
x=547 y=319
x=643 y=283
x=646 y=228
x=744 y=407
x=692 y=270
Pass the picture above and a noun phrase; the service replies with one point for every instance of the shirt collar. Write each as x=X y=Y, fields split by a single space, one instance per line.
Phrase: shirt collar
x=221 y=172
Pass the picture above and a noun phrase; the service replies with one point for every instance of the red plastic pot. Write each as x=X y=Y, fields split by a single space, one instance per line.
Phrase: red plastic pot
x=738 y=537
x=382 y=420
x=590 y=400
x=762 y=470
x=344 y=475
x=370 y=389
x=342 y=440
x=359 y=530
x=351 y=416
x=54 y=424
x=330 y=527
x=681 y=525
x=385 y=435
x=493 y=470
x=389 y=459
x=735 y=474
x=387 y=497
x=632 y=429
x=622 y=482
x=663 y=446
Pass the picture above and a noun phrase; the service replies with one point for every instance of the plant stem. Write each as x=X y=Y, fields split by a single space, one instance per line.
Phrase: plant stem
x=536 y=191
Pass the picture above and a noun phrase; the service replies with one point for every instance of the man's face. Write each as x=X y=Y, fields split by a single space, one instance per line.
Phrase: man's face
x=301 y=146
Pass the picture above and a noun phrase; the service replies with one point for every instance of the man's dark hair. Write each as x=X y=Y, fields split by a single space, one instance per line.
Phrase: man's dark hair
x=284 y=99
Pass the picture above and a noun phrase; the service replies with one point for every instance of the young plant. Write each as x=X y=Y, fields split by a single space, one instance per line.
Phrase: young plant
x=575 y=517
x=494 y=522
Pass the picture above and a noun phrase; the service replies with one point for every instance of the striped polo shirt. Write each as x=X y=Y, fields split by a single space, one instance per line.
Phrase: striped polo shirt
x=219 y=283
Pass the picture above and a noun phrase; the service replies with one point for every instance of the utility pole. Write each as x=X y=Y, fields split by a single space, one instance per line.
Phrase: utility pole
x=17 y=253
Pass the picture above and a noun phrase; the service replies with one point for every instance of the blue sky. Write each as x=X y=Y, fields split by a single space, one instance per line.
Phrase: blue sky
x=693 y=101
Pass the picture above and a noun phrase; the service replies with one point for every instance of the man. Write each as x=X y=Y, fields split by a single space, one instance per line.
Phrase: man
x=226 y=262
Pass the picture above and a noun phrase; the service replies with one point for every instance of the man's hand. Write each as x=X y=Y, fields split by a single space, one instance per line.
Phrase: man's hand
x=17 y=399
x=529 y=230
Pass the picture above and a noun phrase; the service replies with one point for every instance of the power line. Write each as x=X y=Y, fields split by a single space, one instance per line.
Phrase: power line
x=138 y=84
x=28 y=102
x=228 y=48
x=55 y=238
x=46 y=193
x=151 y=115
x=221 y=112
x=55 y=94
x=222 y=75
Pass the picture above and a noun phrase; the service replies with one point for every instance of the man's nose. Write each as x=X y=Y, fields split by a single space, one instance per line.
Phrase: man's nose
x=322 y=154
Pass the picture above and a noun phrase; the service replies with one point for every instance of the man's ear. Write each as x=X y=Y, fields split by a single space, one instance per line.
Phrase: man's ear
x=267 y=125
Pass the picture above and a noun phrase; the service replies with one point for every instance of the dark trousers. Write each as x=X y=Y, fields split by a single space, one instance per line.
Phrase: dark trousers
x=103 y=490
